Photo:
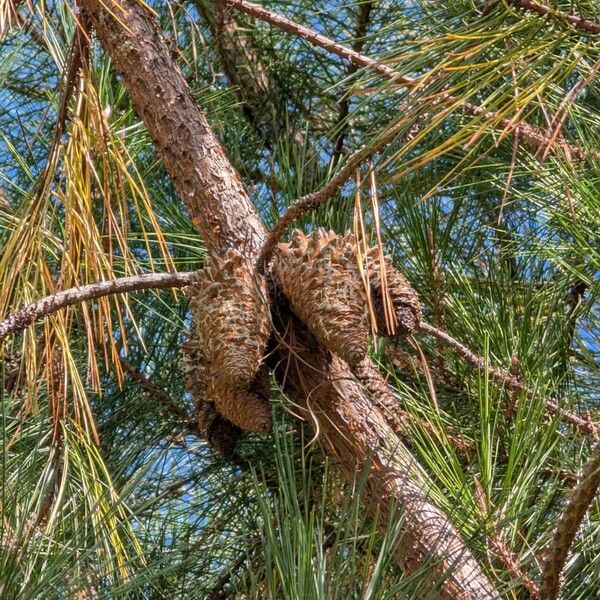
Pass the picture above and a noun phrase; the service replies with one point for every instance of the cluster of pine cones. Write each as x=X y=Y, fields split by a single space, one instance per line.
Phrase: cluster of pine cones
x=326 y=288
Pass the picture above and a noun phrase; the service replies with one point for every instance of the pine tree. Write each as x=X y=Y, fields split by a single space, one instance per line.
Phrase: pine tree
x=385 y=218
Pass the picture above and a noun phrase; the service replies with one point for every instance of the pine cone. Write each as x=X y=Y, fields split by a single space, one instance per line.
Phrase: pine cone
x=241 y=406
x=223 y=355
x=246 y=408
x=405 y=301
x=231 y=320
x=197 y=376
x=223 y=436
x=320 y=277
x=218 y=431
x=222 y=412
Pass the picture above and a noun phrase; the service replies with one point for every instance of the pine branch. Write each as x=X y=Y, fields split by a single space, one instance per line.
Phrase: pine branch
x=528 y=133
x=568 y=526
x=362 y=23
x=317 y=39
x=51 y=304
x=586 y=426
x=156 y=393
x=549 y=11
x=314 y=199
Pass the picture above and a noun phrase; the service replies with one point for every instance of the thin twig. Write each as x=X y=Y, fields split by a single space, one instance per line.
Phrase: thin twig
x=50 y=304
x=156 y=393
x=362 y=24
x=530 y=134
x=314 y=199
x=586 y=426
x=568 y=526
x=549 y=11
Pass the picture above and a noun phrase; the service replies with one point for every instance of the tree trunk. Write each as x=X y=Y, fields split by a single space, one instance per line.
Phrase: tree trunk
x=350 y=428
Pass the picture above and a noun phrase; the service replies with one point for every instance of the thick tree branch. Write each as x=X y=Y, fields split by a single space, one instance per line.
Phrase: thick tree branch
x=356 y=434
x=55 y=302
x=528 y=133
x=195 y=159
x=549 y=11
x=568 y=526
x=350 y=428
x=585 y=426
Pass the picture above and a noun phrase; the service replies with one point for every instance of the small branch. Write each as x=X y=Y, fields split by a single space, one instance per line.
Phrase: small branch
x=257 y=89
x=362 y=24
x=568 y=526
x=586 y=426
x=529 y=134
x=510 y=560
x=51 y=304
x=258 y=12
x=315 y=199
x=156 y=393
x=549 y=11
x=79 y=55
x=563 y=110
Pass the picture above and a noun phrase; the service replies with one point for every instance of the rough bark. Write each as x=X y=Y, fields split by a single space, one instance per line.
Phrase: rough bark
x=350 y=427
x=353 y=431
x=193 y=156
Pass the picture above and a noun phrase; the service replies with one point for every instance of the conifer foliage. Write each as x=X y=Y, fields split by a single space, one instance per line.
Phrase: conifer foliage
x=409 y=410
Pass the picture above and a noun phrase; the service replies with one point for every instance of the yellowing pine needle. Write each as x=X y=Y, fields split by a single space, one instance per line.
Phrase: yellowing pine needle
x=70 y=235
x=362 y=247
x=387 y=305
